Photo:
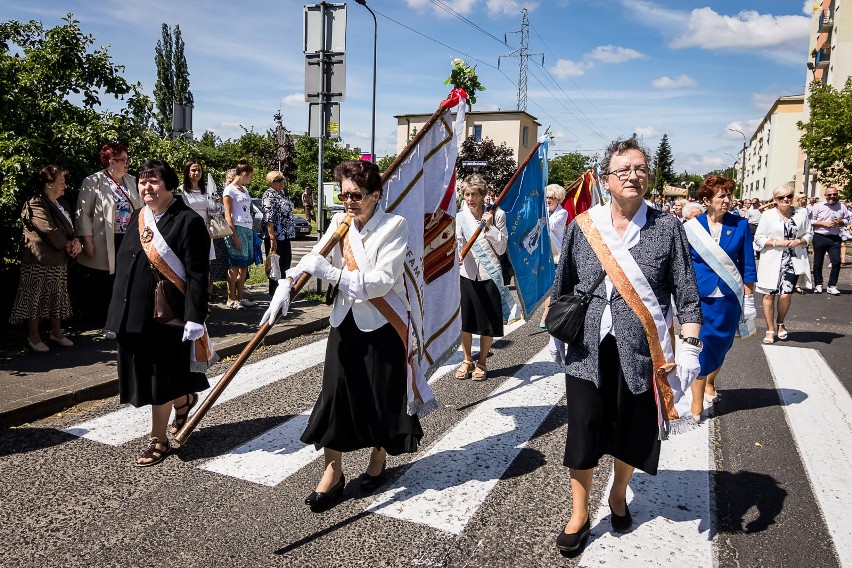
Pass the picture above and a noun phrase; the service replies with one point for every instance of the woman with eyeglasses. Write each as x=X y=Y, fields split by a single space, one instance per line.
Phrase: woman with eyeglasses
x=106 y=200
x=723 y=255
x=279 y=227
x=782 y=235
x=363 y=401
x=554 y=195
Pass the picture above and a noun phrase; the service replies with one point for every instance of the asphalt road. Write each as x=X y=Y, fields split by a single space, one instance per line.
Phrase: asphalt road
x=760 y=483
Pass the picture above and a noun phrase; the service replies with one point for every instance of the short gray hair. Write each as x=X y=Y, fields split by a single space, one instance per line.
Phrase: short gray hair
x=557 y=190
x=618 y=147
x=689 y=207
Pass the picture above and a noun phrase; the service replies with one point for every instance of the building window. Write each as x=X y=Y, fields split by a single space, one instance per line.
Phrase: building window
x=477 y=132
x=526 y=136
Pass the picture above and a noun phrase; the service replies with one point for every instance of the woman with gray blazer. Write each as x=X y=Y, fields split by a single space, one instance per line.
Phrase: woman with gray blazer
x=611 y=401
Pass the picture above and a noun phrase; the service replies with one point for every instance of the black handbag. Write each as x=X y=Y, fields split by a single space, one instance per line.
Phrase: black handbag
x=567 y=315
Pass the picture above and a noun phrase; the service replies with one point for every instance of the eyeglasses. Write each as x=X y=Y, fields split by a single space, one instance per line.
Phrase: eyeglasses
x=831 y=195
x=624 y=173
x=277 y=180
x=349 y=195
x=550 y=197
x=125 y=159
x=785 y=197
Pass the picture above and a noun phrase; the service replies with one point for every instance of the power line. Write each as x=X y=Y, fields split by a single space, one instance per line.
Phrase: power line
x=582 y=120
x=461 y=17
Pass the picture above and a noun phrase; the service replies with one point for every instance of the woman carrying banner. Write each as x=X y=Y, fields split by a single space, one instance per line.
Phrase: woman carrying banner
x=363 y=402
x=625 y=351
x=554 y=195
x=723 y=256
x=782 y=235
x=485 y=302
x=161 y=365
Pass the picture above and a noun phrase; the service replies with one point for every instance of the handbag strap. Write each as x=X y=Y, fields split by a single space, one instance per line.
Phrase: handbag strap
x=597 y=283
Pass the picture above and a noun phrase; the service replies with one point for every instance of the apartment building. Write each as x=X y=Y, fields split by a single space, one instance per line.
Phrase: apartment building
x=518 y=129
x=772 y=151
x=830 y=62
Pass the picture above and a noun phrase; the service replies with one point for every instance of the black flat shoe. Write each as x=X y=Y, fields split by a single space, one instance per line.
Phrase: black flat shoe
x=371 y=482
x=570 y=542
x=321 y=501
x=621 y=523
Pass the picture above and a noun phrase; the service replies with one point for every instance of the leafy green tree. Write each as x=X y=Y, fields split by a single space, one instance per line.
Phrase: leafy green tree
x=501 y=161
x=172 y=84
x=307 y=157
x=827 y=138
x=566 y=168
x=385 y=163
x=663 y=171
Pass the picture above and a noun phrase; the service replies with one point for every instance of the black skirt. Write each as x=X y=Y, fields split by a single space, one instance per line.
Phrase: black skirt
x=610 y=420
x=481 y=309
x=363 y=401
x=153 y=366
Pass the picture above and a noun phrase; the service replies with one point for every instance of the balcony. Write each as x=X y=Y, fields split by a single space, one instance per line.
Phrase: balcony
x=826 y=22
x=823 y=57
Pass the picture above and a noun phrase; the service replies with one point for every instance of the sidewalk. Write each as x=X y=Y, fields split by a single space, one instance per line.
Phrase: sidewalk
x=36 y=385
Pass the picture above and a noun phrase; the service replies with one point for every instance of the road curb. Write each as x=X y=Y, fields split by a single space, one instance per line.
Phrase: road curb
x=30 y=411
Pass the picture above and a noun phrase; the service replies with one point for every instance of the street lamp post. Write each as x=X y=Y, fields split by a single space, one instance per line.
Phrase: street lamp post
x=373 y=126
x=742 y=180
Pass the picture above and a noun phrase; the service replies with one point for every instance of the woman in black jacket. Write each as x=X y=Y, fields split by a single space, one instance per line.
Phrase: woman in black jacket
x=154 y=360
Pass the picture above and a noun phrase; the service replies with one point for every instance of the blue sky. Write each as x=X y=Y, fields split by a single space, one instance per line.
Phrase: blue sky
x=690 y=69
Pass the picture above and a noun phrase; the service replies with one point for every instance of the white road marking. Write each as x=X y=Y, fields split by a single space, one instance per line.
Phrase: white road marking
x=129 y=423
x=270 y=458
x=671 y=511
x=446 y=485
x=819 y=412
x=278 y=453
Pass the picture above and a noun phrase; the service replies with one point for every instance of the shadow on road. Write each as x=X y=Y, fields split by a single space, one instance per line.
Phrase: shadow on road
x=23 y=440
x=738 y=400
x=748 y=502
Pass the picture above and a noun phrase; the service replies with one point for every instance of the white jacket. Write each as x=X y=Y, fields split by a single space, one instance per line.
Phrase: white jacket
x=771 y=228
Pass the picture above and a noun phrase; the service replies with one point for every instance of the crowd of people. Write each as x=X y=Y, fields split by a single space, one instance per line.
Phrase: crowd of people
x=148 y=248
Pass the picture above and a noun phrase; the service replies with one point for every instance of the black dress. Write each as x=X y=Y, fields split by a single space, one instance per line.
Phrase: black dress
x=363 y=399
x=153 y=362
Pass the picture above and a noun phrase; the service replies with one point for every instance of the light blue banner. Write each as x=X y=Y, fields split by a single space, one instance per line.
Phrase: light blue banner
x=529 y=240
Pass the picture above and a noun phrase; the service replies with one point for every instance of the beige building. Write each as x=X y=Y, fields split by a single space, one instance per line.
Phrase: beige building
x=829 y=61
x=772 y=151
x=518 y=129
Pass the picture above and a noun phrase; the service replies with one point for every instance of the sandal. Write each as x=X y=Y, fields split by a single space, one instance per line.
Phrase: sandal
x=770 y=338
x=480 y=373
x=154 y=453
x=462 y=375
x=181 y=417
x=782 y=331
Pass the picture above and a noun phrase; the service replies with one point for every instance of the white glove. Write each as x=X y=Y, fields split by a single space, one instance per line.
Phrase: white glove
x=192 y=331
x=687 y=365
x=557 y=351
x=748 y=307
x=321 y=268
x=280 y=301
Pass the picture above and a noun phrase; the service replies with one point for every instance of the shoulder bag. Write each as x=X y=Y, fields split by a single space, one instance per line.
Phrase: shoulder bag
x=567 y=315
x=218 y=227
x=168 y=301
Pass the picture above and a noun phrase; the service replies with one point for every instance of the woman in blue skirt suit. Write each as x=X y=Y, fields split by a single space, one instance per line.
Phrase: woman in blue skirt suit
x=720 y=304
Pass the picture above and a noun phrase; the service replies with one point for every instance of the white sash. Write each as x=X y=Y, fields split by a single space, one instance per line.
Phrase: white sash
x=602 y=219
x=719 y=261
x=164 y=259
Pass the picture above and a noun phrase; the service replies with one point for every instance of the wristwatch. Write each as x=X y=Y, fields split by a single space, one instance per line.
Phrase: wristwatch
x=694 y=341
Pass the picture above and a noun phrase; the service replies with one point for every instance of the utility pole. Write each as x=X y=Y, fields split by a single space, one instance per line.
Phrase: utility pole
x=522 y=53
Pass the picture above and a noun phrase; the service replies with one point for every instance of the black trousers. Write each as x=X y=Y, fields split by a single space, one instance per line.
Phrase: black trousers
x=827 y=244
x=286 y=255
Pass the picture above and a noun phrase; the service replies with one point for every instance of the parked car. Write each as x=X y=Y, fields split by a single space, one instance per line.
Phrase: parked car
x=303 y=228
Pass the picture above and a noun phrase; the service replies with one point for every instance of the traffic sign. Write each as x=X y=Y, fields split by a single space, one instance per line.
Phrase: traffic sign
x=333 y=85
x=332 y=121
x=334 y=25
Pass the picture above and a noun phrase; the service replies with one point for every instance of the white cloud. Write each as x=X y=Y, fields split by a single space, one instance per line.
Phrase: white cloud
x=783 y=38
x=666 y=82
x=763 y=101
x=497 y=7
x=567 y=68
x=648 y=132
x=747 y=127
x=809 y=7
x=613 y=54
x=465 y=7
x=294 y=100
x=697 y=163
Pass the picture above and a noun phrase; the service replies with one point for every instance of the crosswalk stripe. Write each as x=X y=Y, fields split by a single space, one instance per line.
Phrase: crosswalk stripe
x=671 y=511
x=818 y=410
x=274 y=456
x=129 y=423
x=445 y=487
x=255 y=462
